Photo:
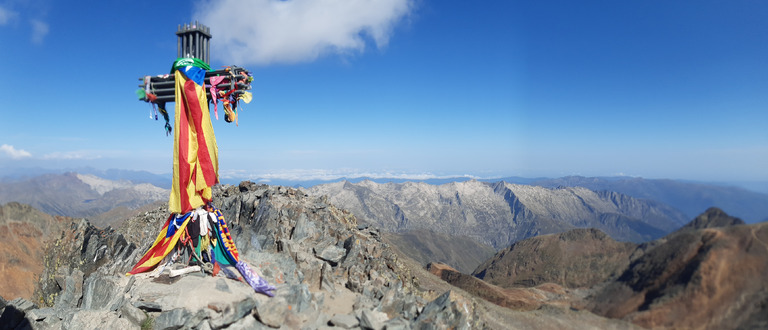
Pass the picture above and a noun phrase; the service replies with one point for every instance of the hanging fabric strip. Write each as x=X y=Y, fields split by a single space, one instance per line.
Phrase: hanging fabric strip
x=215 y=81
x=195 y=154
x=164 y=244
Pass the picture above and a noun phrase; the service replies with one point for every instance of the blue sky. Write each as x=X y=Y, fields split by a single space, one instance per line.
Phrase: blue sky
x=403 y=88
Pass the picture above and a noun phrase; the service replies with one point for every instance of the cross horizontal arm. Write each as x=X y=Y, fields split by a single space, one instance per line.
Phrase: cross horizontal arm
x=164 y=86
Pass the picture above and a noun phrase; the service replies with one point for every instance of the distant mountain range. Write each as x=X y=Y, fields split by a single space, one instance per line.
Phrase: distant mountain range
x=689 y=197
x=747 y=200
x=136 y=177
x=498 y=214
x=80 y=195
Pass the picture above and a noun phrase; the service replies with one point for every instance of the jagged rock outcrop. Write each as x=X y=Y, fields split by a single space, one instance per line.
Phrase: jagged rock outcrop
x=323 y=264
x=499 y=214
x=577 y=258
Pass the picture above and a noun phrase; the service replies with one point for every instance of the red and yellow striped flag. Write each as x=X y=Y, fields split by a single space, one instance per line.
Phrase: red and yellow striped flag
x=195 y=154
x=163 y=245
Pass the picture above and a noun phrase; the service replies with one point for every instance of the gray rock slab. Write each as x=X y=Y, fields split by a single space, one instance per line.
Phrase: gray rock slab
x=370 y=319
x=275 y=267
x=344 y=321
x=148 y=306
x=171 y=320
x=133 y=314
x=72 y=290
x=304 y=228
x=331 y=253
x=326 y=278
x=22 y=304
x=298 y=296
x=221 y=285
x=442 y=313
x=90 y=319
x=235 y=312
x=273 y=312
x=41 y=314
x=247 y=323
x=397 y=323
x=102 y=292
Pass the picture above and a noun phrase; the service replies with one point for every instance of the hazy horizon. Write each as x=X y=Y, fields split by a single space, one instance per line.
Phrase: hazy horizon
x=409 y=88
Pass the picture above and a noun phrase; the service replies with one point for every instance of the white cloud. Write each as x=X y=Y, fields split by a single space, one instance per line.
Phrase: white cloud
x=39 y=31
x=6 y=15
x=290 y=31
x=70 y=155
x=13 y=152
x=329 y=175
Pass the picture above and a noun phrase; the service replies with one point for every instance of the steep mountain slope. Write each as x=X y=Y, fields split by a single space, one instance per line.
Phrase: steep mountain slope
x=514 y=298
x=499 y=214
x=710 y=274
x=710 y=277
x=573 y=259
x=690 y=198
x=24 y=232
x=78 y=195
x=425 y=246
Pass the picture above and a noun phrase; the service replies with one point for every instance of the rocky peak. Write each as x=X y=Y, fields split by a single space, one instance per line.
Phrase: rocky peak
x=712 y=218
x=328 y=269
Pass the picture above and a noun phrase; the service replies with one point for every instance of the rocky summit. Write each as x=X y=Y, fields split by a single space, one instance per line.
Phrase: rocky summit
x=333 y=272
x=330 y=272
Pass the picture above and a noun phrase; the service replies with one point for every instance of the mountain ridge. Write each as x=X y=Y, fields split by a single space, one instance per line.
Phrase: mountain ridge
x=689 y=197
x=498 y=214
x=79 y=195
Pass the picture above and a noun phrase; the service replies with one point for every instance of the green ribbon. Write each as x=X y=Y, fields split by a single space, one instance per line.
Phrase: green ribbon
x=187 y=61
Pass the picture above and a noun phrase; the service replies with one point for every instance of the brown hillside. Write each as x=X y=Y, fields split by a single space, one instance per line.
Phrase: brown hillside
x=707 y=278
x=424 y=246
x=576 y=258
x=523 y=299
x=23 y=233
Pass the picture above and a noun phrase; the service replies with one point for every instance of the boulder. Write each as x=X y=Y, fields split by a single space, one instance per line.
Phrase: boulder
x=344 y=321
x=102 y=292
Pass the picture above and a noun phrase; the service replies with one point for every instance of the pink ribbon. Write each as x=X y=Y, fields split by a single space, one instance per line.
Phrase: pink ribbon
x=215 y=81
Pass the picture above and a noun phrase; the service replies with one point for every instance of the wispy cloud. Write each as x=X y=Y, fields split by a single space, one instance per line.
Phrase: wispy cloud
x=13 y=152
x=290 y=31
x=329 y=175
x=6 y=15
x=71 y=155
x=39 y=31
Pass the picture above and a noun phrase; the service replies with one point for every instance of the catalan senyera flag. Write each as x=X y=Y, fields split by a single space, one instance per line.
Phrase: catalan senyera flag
x=164 y=243
x=195 y=153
